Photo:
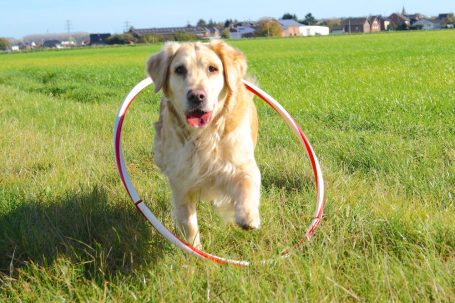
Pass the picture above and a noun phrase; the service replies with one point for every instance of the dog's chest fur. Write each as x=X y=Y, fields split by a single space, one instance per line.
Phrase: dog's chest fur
x=202 y=161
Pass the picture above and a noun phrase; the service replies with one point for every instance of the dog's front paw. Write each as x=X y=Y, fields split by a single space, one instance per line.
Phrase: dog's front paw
x=248 y=219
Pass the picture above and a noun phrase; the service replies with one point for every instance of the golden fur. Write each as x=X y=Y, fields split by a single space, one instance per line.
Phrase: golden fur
x=206 y=133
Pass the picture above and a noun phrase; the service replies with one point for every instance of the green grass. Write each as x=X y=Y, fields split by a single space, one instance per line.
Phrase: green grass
x=379 y=111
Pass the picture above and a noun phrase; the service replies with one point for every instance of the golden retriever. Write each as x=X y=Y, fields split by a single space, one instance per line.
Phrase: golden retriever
x=206 y=133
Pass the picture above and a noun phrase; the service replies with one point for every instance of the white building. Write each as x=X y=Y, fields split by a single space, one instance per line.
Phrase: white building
x=314 y=30
x=427 y=24
x=67 y=44
x=292 y=28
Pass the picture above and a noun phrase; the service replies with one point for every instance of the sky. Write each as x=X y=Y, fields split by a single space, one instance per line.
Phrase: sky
x=24 y=17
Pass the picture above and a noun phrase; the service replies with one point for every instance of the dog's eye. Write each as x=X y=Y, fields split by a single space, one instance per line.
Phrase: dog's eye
x=180 y=70
x=212 y=69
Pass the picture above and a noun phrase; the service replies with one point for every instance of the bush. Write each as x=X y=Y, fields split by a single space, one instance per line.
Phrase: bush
x=392 y=26
x=226 y=33
x=403 y=27
x=4 y=44
x=417 y=27
x=151 y=38
x=182 y=36
x=268 y=28
x=125 y=38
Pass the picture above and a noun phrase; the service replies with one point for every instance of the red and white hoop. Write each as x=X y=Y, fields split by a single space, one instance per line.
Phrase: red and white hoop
x=150 y=217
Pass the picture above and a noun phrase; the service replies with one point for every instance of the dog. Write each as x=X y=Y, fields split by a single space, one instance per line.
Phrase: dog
x=206 y=133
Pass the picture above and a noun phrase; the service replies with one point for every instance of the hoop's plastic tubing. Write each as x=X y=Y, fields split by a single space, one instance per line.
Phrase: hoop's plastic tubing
x=151 y=218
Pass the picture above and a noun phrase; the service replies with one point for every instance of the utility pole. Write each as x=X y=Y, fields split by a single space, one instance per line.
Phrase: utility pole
x=127 y=26
x=68 y=28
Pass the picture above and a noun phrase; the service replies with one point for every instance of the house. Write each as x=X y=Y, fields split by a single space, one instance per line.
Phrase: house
x=399 y=21
x=445 y=16
x=24 y=46
x=375 y=24
x=438 y=24
x=414 y=17
x=445 y=20
x=383 y=22
x=241 y=31
x=169 y=32
x=290 y=27
x=338 y=30
x=213 y=32
x=425 y=24
x=51 y=44
x=251 y=24
x=67 y=44
x=356 y=25
x=98 y=38
x=313 y=30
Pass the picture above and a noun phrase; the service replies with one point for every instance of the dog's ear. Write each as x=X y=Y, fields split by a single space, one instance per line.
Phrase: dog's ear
x=158 y=64
x=234 y=63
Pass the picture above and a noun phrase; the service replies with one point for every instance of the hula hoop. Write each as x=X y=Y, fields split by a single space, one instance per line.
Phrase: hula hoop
x=152 y=219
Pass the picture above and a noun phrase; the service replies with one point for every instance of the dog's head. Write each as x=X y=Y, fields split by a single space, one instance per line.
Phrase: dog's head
x=197 y=78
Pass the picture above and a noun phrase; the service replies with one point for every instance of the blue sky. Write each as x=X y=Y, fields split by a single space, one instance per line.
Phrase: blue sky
x=22 y=17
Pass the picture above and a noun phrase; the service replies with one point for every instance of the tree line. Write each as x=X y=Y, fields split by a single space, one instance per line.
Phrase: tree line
x=265 y=27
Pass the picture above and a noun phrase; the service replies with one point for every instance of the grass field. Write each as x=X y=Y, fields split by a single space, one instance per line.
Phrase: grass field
x=379 y=111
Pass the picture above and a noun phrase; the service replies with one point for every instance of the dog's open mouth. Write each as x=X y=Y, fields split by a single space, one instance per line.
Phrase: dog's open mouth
x=198 y=118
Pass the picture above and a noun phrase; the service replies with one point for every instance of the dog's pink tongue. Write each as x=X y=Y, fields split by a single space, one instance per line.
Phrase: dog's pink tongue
x=198 y=119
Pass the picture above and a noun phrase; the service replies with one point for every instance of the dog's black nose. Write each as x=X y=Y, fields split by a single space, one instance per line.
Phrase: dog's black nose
x=196 y=96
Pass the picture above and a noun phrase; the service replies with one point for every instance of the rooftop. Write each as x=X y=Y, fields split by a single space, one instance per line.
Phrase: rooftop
x=288 y=23
x=354 y=21
x=169 y=30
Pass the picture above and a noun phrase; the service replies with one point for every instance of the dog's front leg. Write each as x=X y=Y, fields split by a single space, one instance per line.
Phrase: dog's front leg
x=246 y=197
x=186 y=217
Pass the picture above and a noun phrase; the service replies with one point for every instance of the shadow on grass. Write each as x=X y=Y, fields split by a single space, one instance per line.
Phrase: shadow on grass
x=106 y=239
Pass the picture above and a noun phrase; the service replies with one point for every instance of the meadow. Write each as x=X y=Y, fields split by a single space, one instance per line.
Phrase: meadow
x=378 y=109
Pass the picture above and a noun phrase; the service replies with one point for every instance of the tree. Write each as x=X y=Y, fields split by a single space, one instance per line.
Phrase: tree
x=151 y=38
x=201 y=23
x=392 y=26
x=184 y=36
x=450 y=20
x=309 y=19
x=268 y=28
x=288 y=16
x=331 y=23
x=226 y=33
x=4 y=44
x=402 y=27
x=125 y=38
x=228 y=23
